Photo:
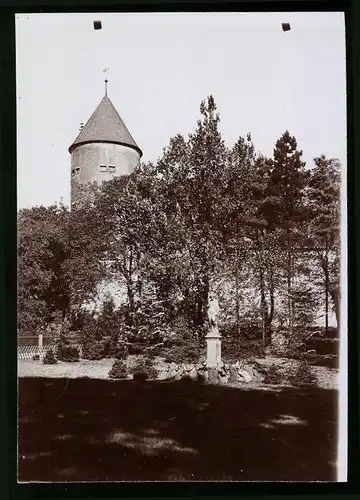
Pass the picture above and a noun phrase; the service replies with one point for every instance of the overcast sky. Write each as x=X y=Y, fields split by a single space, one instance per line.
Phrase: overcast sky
x=264 y=81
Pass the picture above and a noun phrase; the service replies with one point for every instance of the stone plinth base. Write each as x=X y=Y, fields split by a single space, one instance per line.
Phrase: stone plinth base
x=213 y=348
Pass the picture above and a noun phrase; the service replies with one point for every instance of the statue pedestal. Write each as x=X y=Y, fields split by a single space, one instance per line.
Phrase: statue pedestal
x=213 y=351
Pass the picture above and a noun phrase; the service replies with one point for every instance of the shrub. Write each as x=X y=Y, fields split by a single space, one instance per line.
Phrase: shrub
x=36 y=357
x=294 y=351
x=141 y=376
x=234 y=349
x=64 y=350
x=200 y=379
x=113 y=343
x=93 y=350
x=323 y=345
x=152 y=352
x=109 y=318
x=118 y=370
x=150 y=367
x=303 y=376
x=49 y=358
x=121 y=351
x=144 y=369
x=94 y=346
x=332 y=332
x=183 y=351
x=106 y=347
x=329 y=360
x=135 y=349
x=272 y=375
x=68 y=353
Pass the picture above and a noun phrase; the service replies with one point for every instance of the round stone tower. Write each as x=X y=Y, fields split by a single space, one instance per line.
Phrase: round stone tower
x=103 y=149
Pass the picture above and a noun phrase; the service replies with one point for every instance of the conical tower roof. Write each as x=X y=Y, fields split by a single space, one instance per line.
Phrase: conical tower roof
x=105 y=125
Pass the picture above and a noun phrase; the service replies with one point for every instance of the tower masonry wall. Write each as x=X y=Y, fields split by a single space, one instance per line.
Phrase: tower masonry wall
x=87 y=159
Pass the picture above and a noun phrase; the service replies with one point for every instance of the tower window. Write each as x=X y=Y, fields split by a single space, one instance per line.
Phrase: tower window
x=112 y=169
x=103 y=168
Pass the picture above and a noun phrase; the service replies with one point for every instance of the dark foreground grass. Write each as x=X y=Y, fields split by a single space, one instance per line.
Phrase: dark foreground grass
x=98 y=430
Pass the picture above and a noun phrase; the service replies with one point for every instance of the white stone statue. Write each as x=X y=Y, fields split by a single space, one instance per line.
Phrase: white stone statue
x=213 y=338
x=213 y=311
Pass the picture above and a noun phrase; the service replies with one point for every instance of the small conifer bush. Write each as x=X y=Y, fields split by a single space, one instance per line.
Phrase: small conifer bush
x=113 y=343
x=93 y=350
x=68 y=353
x=118 y=369
x=144 y=369
x=152 y=353
x=121 y=351
x=64 y=350
x=93 y=345
x=135 y=349
x=303 y=376
x=49 y=358
x=273 y=376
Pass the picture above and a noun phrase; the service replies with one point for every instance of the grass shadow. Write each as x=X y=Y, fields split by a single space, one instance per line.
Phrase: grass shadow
x=98 y=430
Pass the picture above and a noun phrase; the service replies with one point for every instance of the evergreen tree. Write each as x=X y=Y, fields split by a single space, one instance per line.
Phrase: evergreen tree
x=284 y=208
x=264 y=255
x=323 y=231
x=239 y=210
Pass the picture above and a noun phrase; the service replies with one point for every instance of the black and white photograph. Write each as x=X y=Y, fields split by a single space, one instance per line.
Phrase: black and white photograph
x=181 y=247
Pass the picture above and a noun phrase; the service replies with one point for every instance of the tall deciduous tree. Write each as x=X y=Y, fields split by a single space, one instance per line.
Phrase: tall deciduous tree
x=86 y=268
x=195 y=173
x=43 y=250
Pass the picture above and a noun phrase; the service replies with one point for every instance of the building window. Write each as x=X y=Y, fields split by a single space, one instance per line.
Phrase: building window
x=103 y=168
x=112 y=169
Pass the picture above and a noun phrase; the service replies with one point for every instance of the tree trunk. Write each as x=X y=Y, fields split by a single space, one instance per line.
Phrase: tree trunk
x=129 y=280
x=335 y=297
x=270 y=315
x=205 y=299
x=264 y=311
x=289 y=292
x=139 y=284
x=326 y=269
x=130 y=294
x=237 y=294
x=201 y=302
x=331 y=290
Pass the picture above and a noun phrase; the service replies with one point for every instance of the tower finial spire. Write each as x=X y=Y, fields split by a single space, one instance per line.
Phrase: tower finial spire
x=106 y=82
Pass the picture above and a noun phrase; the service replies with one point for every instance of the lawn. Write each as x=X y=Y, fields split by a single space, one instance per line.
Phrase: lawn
x=78 y=429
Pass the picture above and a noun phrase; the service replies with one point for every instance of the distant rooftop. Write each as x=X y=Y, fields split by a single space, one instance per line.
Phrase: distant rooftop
x=105 y=125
